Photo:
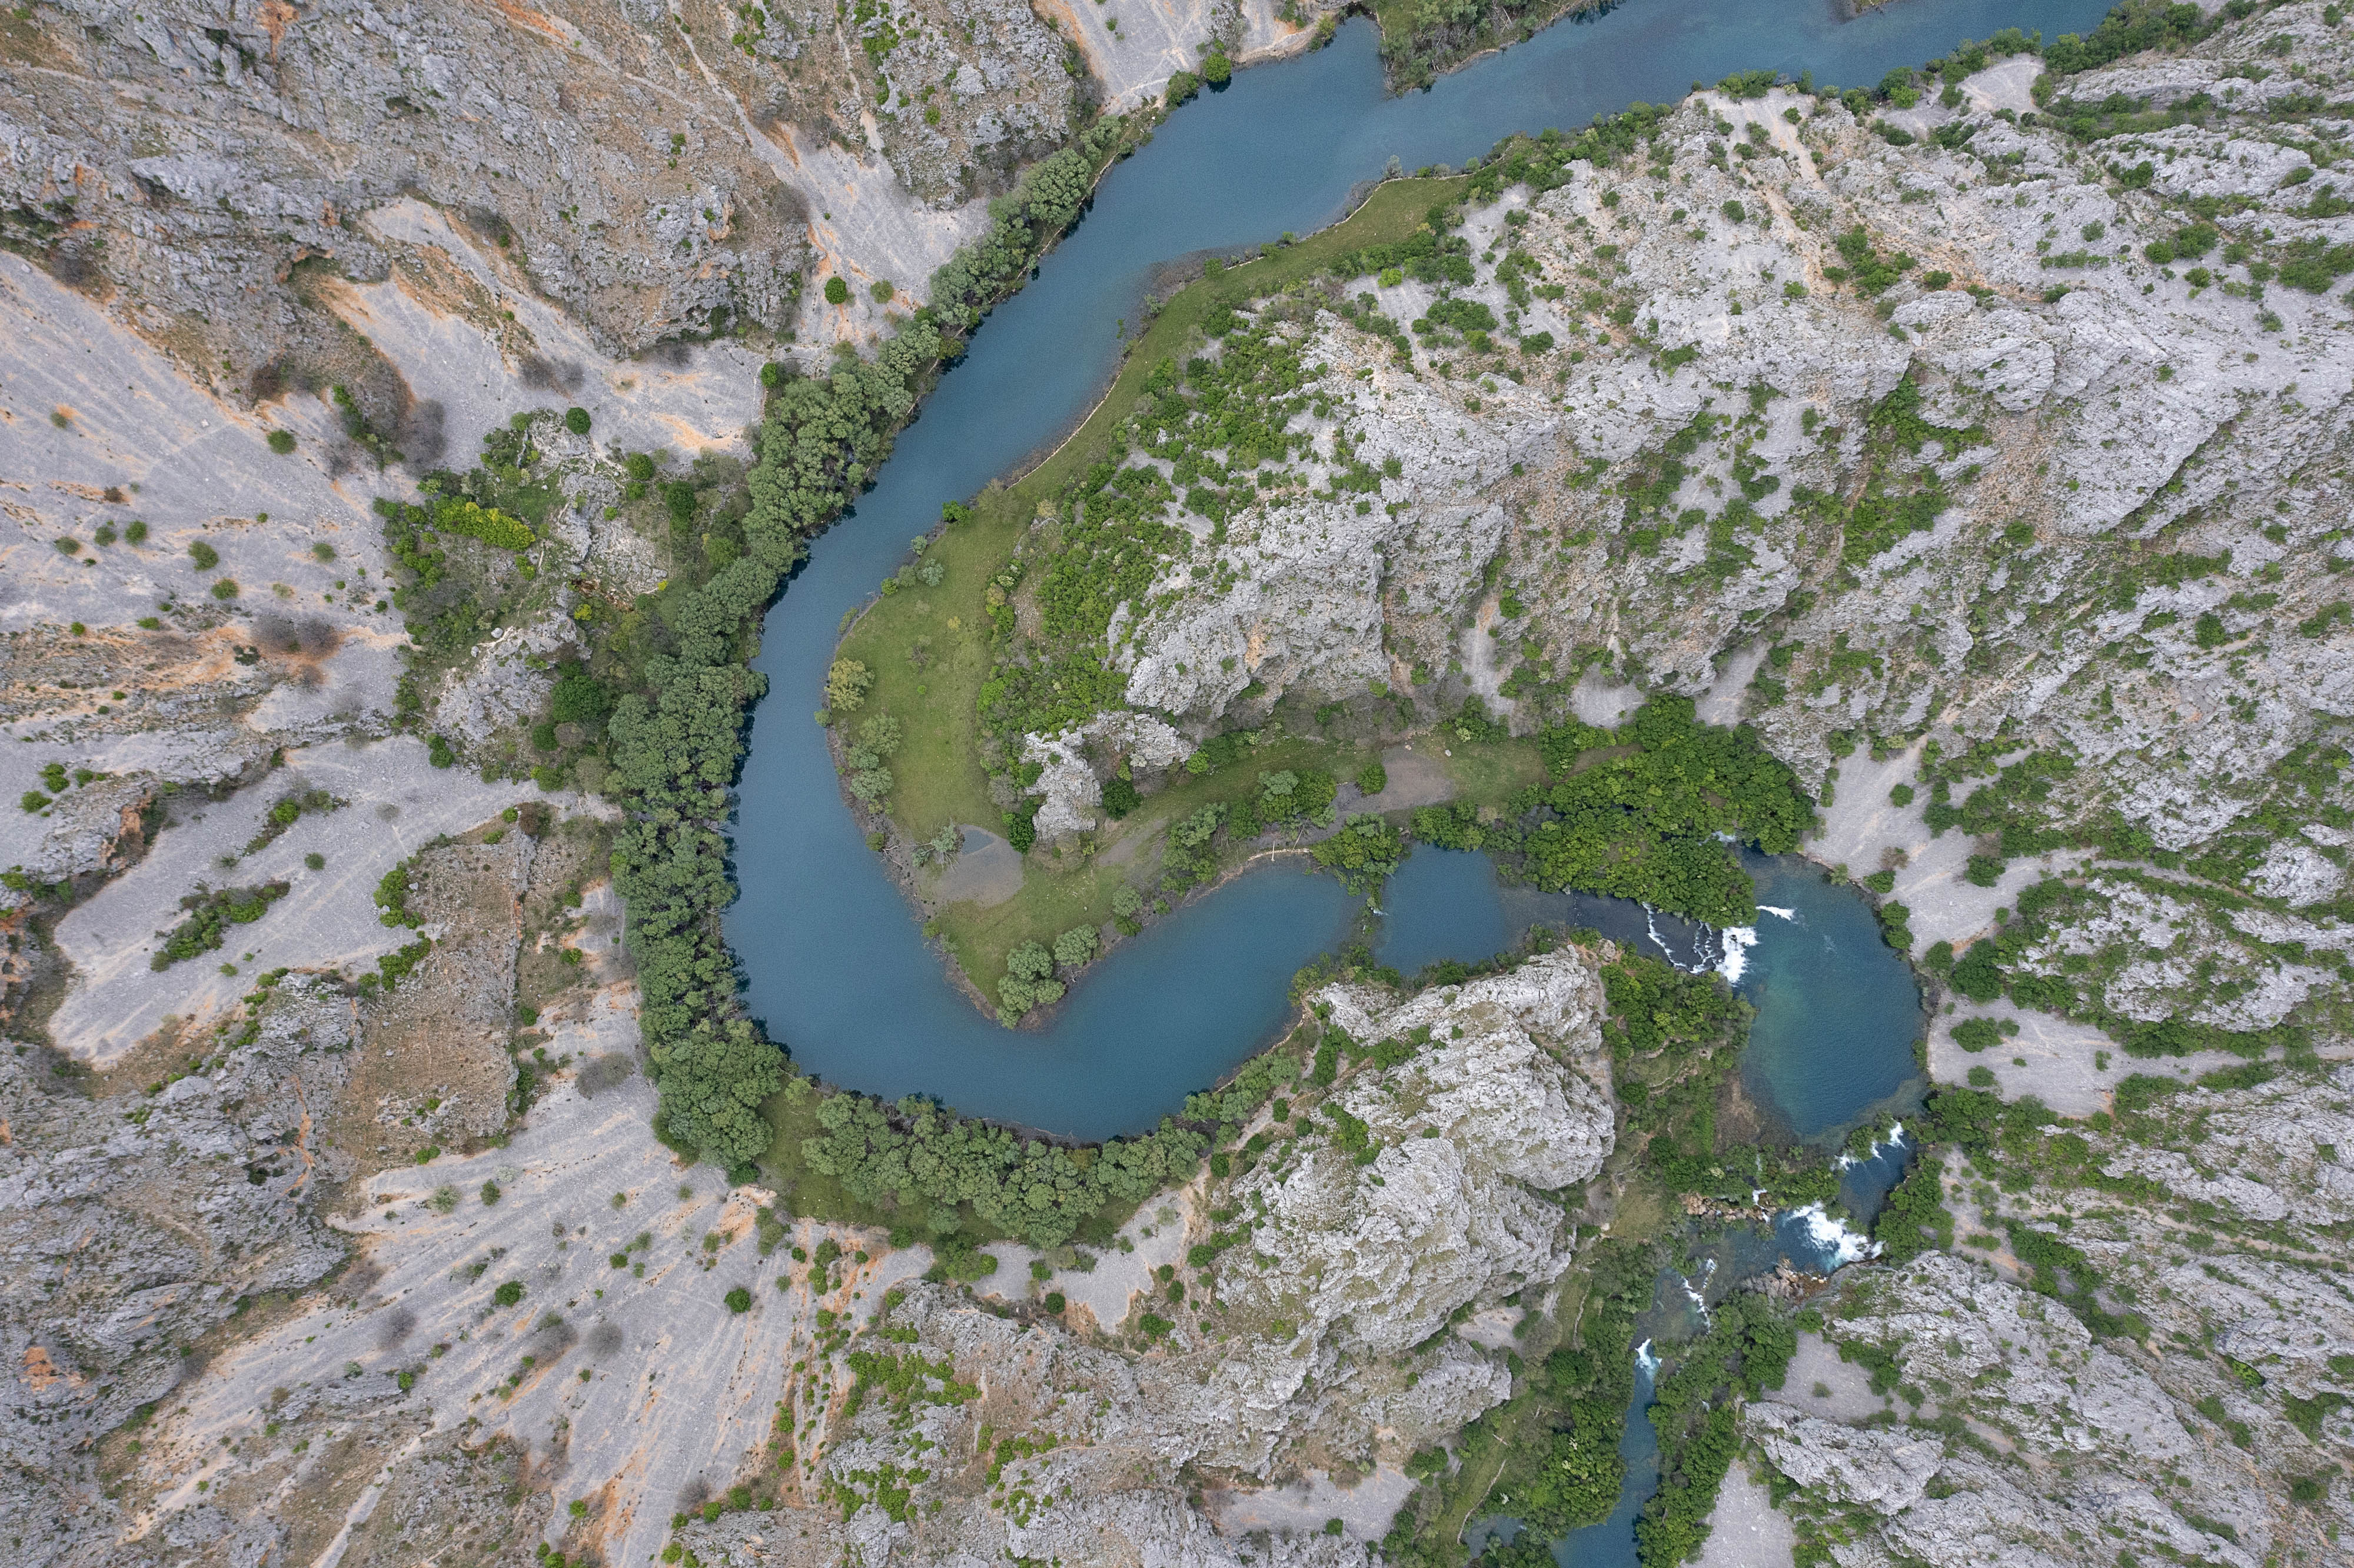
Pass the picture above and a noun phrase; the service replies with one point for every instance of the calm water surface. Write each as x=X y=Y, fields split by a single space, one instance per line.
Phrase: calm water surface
x=836 y=966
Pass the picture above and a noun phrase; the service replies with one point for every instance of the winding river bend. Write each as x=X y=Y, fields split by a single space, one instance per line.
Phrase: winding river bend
x=838 y=967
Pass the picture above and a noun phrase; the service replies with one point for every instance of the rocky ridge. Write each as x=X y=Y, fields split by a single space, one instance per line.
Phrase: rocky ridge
x=1310 y=1328
x=140 y=1222
x=2024 y=439
x=655 y=172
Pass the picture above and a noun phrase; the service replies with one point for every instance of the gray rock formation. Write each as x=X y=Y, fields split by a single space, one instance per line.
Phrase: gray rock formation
x=1963 y=442
x=1319 y=1337
x=140 y=1220
x=215 y=179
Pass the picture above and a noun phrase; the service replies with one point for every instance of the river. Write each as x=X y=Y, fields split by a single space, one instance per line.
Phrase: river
x=837 y=968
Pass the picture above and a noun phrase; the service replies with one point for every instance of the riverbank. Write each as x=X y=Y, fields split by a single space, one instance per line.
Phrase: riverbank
x=925 y=638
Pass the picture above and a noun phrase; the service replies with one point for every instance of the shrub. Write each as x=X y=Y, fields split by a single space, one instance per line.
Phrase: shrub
x=510 y=1293
x=281 y=441
x=1984 y=871
x=837 y=291
x=204 y=555
x=1362 y=854
x=739 y=1300
x=846 y=684
x=576 y=420
x=1373 y=779
x=1974 y=974
x=135 y=531
x=882 y=290
x=315 y=861
x=1075 y=948
x=1735 y=213
x=1121 y=797
x=225 y=589
x=457 y=515
x=1975 y=1035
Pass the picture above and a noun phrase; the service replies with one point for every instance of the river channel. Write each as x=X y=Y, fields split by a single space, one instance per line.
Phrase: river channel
x=838 y=968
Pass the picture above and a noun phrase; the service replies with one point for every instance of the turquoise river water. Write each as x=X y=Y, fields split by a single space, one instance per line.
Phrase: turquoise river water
x=836 y=964
x=836 y=967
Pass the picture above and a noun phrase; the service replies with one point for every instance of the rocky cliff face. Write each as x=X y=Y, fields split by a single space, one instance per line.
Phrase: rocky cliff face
x=2139 y=1344
x=1309 y=1326
x=2143 y=409
x=655 y=172
x=139 y=1223
x=1962 y=444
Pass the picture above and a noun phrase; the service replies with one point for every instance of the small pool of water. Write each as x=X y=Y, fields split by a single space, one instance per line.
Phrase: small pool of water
x=1448 y=904
x=1837 y=1011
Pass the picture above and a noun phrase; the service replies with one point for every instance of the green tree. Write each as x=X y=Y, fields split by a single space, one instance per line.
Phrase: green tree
x=713 y=1081
x=847 y=685
x=1075 y=948
x=1362 y=854
x=837 y=290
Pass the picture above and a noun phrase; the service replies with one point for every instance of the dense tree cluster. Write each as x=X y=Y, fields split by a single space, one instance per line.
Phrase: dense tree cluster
x=1021 y=226
x=676 y=733
x=1362 y=854
x=1747 y=1350
x=1636 y=813
x=1570 y=1475
x=923 y=1164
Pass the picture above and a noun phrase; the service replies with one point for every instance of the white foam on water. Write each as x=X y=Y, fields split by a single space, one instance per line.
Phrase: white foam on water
x=1894 y=1139
x=1779 y=914
x=1645 y=1359
x=1651 y=929
x=1698 y=1294
x=1832 y=1239
x=1737 y=941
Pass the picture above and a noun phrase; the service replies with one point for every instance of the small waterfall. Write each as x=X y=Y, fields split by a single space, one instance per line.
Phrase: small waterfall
x=1834 y=1242
x=1738 y=940
x=1895 y=1142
